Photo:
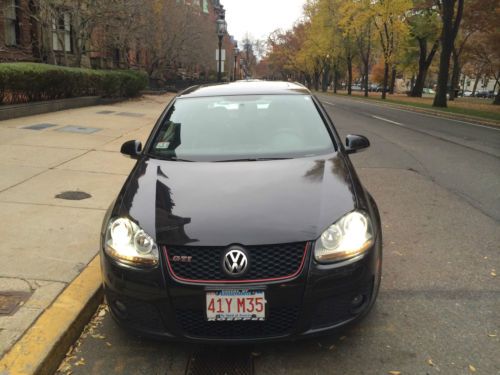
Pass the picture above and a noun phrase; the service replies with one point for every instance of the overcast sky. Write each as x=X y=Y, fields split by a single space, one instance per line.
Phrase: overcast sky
x=260 y=17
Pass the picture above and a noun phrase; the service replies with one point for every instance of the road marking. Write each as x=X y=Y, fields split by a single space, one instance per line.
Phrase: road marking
x=424 y=114
x=332 y=104
x=387 y=120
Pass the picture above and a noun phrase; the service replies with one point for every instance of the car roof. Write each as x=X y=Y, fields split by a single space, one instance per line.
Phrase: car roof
x=245 y=87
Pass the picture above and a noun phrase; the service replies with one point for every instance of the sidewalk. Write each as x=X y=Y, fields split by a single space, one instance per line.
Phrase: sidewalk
x=47 y=241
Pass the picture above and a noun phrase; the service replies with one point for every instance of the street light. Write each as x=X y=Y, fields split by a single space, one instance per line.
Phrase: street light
x=236 y=53
x=221 y=30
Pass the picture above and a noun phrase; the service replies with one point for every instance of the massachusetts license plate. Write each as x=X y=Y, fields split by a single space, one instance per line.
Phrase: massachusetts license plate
x=236 y=305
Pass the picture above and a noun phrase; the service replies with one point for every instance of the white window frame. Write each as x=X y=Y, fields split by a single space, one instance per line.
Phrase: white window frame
x=66 y=31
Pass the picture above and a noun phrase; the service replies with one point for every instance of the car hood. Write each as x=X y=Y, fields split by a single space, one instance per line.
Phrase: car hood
x=247 y=203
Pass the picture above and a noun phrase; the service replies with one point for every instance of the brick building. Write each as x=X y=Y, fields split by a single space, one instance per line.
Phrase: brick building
x=60 y=39
x=18 y=36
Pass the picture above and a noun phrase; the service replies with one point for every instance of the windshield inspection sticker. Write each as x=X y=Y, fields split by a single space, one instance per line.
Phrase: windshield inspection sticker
x=162 y=145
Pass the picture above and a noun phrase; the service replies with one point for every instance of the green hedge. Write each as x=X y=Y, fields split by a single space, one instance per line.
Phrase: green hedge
x=27 y=82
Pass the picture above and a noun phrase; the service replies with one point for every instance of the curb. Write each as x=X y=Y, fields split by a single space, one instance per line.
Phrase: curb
x=430 y=112
x=43 y=346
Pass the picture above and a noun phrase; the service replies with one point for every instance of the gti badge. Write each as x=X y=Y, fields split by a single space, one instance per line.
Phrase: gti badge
x=182 y=258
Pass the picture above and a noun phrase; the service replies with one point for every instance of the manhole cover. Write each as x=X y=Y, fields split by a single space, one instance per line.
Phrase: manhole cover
x=105 y=112
x=77 y=129
x=38 y=126
x=73 y=195
x=220 y=362
x=130 y=114
x=11 y=301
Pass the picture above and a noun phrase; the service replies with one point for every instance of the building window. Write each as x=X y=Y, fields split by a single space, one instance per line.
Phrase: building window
x=61 y=33
x=205 y=6
x=10 y=23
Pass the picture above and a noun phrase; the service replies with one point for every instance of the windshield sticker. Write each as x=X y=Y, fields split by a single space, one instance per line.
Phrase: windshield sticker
x=162 y=145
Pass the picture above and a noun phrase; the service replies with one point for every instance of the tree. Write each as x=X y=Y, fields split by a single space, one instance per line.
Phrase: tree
x=356 y=24
x=389 y=21
x=424 y=28
x=478 y=16
x=451 y=15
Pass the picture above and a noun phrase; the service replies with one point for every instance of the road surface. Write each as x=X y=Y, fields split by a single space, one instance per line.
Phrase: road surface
x=437 y=184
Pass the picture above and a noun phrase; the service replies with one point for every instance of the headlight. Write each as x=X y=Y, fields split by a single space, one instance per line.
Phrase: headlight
x=128 y=243
x=350 y=236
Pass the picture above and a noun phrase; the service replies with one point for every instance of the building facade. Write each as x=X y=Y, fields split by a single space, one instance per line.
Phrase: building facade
x=17 y=35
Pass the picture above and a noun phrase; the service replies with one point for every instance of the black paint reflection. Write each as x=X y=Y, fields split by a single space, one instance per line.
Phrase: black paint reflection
x=169 y=227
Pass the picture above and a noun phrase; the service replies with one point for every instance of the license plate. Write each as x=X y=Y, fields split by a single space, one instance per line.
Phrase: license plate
x=223 y=305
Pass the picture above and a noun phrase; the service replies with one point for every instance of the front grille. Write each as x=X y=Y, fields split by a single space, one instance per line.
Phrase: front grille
x=265 y=262
x=280 y=321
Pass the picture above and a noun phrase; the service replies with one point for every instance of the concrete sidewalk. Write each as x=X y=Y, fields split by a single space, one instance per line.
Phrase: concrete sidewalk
x=47 y=241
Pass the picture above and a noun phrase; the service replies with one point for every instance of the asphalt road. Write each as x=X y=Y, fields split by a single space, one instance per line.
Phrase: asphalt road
x=437 y=184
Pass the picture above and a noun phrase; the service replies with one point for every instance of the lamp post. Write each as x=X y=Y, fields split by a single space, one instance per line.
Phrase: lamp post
x=236 y=53
x=221 y=30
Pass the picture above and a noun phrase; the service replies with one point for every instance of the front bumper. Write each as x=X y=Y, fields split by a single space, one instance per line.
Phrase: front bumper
x=317 y=301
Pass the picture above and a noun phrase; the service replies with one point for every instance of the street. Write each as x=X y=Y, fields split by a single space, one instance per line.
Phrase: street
x=437 y=185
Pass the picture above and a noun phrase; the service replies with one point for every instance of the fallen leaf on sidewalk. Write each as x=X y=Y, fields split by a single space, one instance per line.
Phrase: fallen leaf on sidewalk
x=81 y=362
x=472 y=368
x=429 y=361
x=492 y=335
x=332 y=347
x=394 y=372
x=108 y=344
x=343 y=338
x=493 y=273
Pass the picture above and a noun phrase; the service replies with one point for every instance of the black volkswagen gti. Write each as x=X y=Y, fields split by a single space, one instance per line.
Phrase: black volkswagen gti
x=243 y=220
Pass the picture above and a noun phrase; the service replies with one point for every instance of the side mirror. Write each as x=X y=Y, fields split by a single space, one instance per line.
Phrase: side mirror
x=132 y=149
x=355 y=143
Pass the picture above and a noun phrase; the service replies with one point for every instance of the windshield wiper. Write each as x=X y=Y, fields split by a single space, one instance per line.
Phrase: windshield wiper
x=172 y=158
x=250 y=159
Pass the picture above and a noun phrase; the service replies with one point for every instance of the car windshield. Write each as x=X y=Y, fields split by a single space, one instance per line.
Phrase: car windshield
x=248 y=127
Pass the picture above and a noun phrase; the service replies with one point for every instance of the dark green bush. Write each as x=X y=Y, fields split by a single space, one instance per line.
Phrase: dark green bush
x=26 y=82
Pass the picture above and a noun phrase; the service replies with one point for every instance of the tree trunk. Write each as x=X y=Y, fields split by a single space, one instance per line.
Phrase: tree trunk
x=496 y=101
x=424 y=62
x=474 y=88
x=393 y=80
x=450 y=29
x=335 y=79
x=386 y=79
x=455 y=75
x=326 y=78
x=349 y=75
x=365 y=83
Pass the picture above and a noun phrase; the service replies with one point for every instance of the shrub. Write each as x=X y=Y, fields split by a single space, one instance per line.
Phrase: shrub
x=26 y=82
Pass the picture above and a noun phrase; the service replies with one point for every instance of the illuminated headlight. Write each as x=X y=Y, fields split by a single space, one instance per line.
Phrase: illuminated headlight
x=128 y=243
x=350 y=236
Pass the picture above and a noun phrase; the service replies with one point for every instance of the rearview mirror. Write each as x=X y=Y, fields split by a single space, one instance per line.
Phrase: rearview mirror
x=355 y=143
x=132 y=149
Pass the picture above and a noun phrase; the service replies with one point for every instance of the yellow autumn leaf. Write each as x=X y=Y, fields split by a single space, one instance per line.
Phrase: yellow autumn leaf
x=472 y=368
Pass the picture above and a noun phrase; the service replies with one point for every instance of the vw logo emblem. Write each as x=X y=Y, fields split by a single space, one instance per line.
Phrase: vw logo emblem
x=235 y=262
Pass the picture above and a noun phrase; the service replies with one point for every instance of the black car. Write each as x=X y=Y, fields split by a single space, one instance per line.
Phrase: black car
x=243 y=220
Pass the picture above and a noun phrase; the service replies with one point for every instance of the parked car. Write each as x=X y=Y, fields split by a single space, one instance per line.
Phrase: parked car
x=428 y=91
x=466 y=93
x=356 y=87
x=243 y=220
x=483 y=94
x=374 y=88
